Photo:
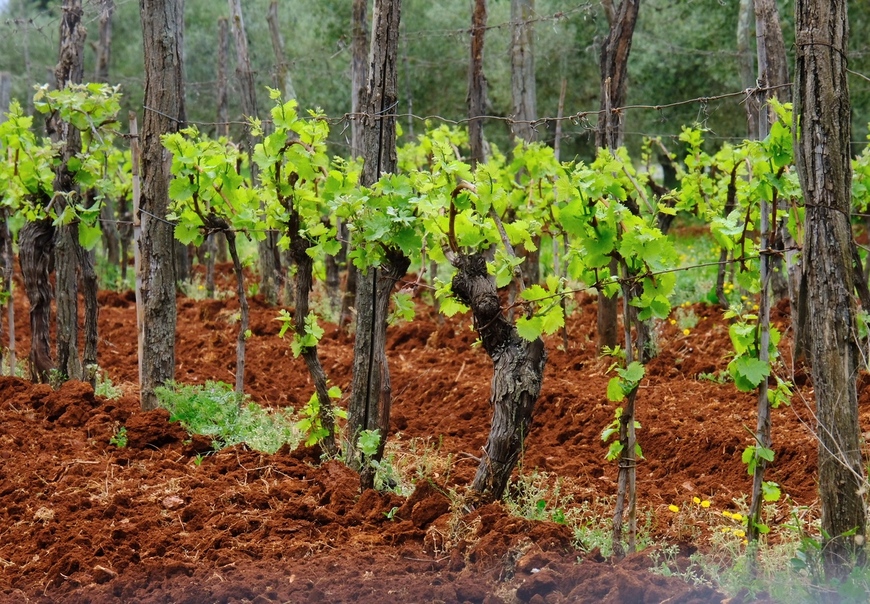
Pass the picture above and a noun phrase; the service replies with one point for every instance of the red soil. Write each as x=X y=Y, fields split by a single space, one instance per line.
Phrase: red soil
x=84 y=521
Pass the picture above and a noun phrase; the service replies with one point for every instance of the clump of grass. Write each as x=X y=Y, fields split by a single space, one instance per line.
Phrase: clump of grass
x=215 y=410
x=105 y=388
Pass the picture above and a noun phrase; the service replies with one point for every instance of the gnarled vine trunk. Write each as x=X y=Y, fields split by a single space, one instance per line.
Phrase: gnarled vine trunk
x=36 y=256
x=518 y=370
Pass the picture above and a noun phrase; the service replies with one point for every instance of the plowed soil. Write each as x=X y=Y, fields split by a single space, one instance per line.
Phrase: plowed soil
x=82 y=520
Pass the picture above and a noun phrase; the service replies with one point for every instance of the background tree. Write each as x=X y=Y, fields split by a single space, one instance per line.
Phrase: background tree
x=162 y=31
x=822 y=127
x=371 y=396
x=609 y=134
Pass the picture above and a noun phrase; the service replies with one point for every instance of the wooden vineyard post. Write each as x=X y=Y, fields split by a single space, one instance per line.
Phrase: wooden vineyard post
x=137 y=234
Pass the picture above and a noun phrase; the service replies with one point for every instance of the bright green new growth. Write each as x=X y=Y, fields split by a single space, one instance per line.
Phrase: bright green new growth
x=310 y=425
x=215 y=410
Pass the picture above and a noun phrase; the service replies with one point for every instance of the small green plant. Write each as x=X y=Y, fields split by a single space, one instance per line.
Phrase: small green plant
x=119 y=439
x=105 y=388
x=215 y=410
x=310 y=425
x=718 y=377
x=536 y=496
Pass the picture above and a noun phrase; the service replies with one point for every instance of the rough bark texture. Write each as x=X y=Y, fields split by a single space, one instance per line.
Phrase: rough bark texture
x=371 y=397
x=223 y=106
x=104 y=46
x=304 y=269
x=69 y=70
x=518 y=369
x=243 y=310
x=269 y=277
x=162 y=31
x=8 y=273
x=523 y=89
x=614 y=75
x=283 y=82
x=358 y=77
x=477 y=84
x=746 y=62
x=36 y=256
x=822 y=152
x=358 y=71
x=369 y=406
x=609 y=135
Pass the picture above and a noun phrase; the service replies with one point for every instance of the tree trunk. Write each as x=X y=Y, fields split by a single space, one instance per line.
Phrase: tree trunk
x=104 y=46
x=283 y=82
x=36 y=255
x=243 y=311
x=523 y=90
x=518 y=367
x=223 y=108
x=746 y=62
x=8 y=284
x=609 y=134
x=477 y=84
x=304 y=269
x=162 y=32
x=69 y=70
x=369 y=406
x=822 y=109
x=269 y=277
x=614 y=75
x=358 y=72
x=371 y=391
x=358 y=77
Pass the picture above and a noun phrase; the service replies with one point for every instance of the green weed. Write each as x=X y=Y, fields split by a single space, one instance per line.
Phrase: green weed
x=215 y=410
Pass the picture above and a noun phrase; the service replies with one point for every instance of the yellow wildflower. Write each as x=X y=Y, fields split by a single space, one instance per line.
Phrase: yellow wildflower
x=737 y=517
x=687 y=331
x=696 y=500
x=727 y=514
x=705 y=504
x=673 y=508
x=739 y=533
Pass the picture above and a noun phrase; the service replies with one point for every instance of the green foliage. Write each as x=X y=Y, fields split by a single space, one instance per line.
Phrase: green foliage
x=612 y=429
x=310 y=426
x=368 y=442
x=215 y=410
x=119 y=439
x=312 y=335
x=753 y=455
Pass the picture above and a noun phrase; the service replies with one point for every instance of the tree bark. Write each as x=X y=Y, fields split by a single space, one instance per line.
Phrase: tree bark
x=609 y=134
x=523 y=89
x=36 y=255
x=269 y=277
x=614 y=75
x=746 y=62
x=358 y=77
x=369 y=406
x=822 y=112
x=162 y=32
x=69 y=70
x=104 y=46
x=477 y=84
x=304 y=284
x=223 y=109
x=518 y=368
x=8 y=272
